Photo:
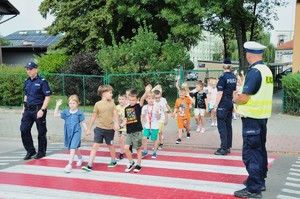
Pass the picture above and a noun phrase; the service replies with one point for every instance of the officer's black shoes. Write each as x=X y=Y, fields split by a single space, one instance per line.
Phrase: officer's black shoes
x=262 y=188
x=29 y=155
x=221 y=152
x=244 y=193
x=39 y=156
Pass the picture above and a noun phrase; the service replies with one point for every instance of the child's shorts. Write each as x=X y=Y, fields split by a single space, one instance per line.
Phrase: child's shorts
x=199 y=111
x=210 y=106
x=134 y=139
x=183 y=122
x=160 y=126
x=121 y=133
x=151 y=133
x=104 y=134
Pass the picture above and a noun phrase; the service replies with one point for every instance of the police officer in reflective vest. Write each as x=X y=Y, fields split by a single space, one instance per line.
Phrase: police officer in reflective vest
x=226 y=87
x=255 y=107
x=36 y=100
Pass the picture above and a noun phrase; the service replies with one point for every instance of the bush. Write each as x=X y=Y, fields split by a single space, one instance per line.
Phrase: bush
x=11 y=85
x=291 y=84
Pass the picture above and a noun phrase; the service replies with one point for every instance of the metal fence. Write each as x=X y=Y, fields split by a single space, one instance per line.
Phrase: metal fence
x=290 y=105
x=85 y=86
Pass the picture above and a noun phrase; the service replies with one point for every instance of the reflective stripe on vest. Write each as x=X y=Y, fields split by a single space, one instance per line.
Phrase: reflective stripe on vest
x=259 y=106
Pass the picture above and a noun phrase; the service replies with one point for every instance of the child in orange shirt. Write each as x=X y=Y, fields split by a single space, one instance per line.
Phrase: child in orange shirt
x=182 y=105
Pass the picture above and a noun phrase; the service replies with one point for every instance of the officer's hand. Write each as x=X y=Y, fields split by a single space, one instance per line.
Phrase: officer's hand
x=22 y=112
x=40 y=114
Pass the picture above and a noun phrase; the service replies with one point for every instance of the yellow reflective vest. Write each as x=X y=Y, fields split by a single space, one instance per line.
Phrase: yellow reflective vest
x=259 y=106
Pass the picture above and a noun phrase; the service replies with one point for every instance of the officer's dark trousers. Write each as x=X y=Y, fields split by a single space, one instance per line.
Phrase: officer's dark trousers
x=29 y=117
x=255 y=155
x=224 y=118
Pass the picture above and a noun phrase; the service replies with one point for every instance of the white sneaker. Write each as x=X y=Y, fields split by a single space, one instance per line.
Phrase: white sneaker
x=198 y=129
x=212 y=124
x=79 y=162
x=68 y=168
x=202 y=130
x=216 y=123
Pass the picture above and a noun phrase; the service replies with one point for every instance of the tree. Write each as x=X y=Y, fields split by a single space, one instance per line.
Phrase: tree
x=89 y=24
x=242 y=16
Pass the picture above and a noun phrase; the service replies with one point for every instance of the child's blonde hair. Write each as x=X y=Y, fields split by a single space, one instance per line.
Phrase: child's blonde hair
x=185 y=86
x=150 y=94
x=104 y=88
x=74 y=98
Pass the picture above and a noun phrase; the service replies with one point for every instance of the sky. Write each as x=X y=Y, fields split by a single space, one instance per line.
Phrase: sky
x=30 y=18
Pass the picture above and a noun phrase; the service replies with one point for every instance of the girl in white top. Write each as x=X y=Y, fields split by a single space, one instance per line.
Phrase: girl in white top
x=212 y=97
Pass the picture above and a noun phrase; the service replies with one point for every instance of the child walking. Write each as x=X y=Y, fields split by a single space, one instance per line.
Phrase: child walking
x=72 y=129
x=200 y=101
x=182 y=105
x=107 y=122
x=212 y=97
x=150 y=117
x=122 y=131
x=134 y=130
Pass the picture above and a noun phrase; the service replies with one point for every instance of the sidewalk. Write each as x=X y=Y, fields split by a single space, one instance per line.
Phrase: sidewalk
x=283 y=131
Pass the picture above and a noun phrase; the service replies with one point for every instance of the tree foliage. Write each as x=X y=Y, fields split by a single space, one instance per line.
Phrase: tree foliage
x=53 y=61
x=89 y=24
x=143 y=53
x=240 y=17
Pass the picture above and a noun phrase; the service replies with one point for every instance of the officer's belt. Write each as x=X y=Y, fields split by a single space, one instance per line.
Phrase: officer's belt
x=34 y=107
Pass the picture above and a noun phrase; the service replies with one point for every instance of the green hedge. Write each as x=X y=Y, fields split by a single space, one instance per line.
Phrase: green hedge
x=11 y=85
x=291 y=99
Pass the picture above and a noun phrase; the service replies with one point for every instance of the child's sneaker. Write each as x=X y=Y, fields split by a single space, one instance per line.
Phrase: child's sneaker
x=202 y=130
x=198 y=129
x=144 y=153
x=68 y=168
x=137 y=169
x=188 y=135
x=216 y=123
x=160 y=146
x=79 y=162
x=212 y=124
x=178 y=141
x=121 y=156
x=129 y=167
x=86 y=168
x=154 y=155
x=112 y=164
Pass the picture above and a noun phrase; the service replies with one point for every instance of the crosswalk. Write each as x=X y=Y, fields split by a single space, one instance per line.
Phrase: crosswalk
x=174 y=173
x=292 y=184
x=17 y=156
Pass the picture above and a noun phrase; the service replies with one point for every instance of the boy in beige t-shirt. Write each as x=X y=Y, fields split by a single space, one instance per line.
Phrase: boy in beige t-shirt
x=104 y=113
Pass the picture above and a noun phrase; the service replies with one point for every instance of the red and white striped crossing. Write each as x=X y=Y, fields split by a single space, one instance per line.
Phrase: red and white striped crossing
x=173 y=174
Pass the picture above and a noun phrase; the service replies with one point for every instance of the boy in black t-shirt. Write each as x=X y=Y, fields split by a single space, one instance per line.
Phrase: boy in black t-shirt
x=134 y=129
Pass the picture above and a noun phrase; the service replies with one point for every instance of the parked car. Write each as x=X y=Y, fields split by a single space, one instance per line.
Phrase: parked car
x=191 y=76
x=283 y=73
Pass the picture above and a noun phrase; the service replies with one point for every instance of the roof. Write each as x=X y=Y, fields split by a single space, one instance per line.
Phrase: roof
x=6 y=8
x=286 y=46
x=32 y=38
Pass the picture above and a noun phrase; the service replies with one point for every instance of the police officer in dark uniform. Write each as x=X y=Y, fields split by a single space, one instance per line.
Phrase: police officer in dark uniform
x=226 y=87
x=255 y=107
x=36 y=100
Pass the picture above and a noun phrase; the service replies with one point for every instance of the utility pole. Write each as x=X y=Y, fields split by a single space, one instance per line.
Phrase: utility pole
x=296 y=47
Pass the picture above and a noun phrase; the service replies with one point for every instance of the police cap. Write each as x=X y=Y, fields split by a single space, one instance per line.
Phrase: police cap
x=31 y=65
x=254 y=47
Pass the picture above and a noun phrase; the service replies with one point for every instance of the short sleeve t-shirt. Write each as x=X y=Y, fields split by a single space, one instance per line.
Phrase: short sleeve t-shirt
x=183 y=107
x=252 y=84
x=163 y=107
x=105 y=113
x=150 y=114
x=133 y=116
x=213 y=95
x=121 y=113
x=200 y=100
